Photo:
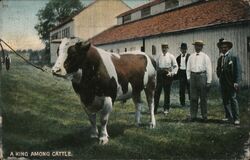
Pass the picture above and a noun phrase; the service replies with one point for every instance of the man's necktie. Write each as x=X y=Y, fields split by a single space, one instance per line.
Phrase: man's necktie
x=222 y=61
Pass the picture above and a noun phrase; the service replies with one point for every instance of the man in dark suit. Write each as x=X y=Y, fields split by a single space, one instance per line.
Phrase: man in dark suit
x=181 y=75
x=229 y=73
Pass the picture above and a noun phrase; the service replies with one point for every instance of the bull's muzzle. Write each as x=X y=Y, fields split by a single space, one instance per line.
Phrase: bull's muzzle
x=56 y=71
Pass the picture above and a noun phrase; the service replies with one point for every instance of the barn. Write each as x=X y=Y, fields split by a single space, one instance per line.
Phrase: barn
x=176 y=21
x=88 y=22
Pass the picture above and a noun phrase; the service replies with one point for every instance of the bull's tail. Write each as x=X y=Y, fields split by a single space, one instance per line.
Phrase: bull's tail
x=153 y=62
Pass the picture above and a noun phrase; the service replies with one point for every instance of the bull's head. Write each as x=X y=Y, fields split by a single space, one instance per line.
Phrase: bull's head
x=71 y=53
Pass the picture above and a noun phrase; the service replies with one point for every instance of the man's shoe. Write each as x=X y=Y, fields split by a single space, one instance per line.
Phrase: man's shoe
x=204 y=119
x=166 y=112
x=193 y=119
x=237 y=122
x=225 y=120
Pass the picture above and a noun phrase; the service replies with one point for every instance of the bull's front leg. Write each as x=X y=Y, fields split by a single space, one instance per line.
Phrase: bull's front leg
x=107 y=108
x=92 y=119
x=94 y=129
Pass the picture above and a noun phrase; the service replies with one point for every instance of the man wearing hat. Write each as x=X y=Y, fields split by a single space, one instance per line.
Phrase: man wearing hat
x=182 y=76
x=199 y=73
x=167 y=68
x=229 y=73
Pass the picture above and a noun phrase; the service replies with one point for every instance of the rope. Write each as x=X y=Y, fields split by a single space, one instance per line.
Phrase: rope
x=21 y=56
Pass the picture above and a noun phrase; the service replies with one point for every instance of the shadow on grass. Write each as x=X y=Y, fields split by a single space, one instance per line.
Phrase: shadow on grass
x=82 y=138
x=199 y=120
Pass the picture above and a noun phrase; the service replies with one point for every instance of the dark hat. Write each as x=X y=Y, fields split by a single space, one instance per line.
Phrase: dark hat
x=183 y=45
x=199 y=42
x=230 y=44
x=219 y=43
x=164 y=45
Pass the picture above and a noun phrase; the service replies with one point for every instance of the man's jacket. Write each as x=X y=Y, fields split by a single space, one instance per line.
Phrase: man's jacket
x=230 y=71
x=178 y=60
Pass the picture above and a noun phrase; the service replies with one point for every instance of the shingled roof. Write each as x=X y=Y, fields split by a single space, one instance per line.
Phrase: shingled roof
x=208 y=13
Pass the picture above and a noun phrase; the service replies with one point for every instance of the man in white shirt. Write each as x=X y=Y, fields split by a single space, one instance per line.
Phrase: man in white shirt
x=181 y=75
x=199 y=73
x=167 y=68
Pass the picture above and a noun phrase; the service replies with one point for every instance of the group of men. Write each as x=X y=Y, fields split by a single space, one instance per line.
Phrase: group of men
x=194 y=72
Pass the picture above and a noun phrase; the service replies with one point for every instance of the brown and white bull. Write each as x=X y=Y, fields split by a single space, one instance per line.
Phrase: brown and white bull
x=101 y=77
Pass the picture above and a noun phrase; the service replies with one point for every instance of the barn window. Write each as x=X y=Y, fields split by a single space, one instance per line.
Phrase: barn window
x=142 y=49
x=57 y=52
x=67 y=33
x=132 y=49
x=111 y=51
x=153 y=50
x=169 y=4
x=126 y=18
x=145 y=12
x=125 y=49
x=55 y=36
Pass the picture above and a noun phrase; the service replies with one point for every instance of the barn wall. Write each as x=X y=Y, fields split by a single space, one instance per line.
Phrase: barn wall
x=136 y=15
x=158 y=8
x=54 y=46
x=130 y=46
x=71 y=28
x=53 y=52
x=94 y=19
x=237 y=34
x=98 y=17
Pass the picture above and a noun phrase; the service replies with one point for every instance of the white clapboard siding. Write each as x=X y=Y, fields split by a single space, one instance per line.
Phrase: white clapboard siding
x=236 y=33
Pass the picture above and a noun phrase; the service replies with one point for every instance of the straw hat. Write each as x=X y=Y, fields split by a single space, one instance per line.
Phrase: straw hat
x=199 y=42
x=229 y=43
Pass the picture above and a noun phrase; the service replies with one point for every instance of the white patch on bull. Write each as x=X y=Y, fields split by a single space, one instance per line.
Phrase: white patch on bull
x=108 y=63
x=110 y=67
x=150 y=70
x=121 y=96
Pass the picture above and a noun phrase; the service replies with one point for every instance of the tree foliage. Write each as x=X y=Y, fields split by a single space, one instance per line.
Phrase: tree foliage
x=53 y=14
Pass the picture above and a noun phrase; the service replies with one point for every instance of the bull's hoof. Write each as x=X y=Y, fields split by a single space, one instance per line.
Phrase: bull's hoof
x=152 y=125
x=103 y=140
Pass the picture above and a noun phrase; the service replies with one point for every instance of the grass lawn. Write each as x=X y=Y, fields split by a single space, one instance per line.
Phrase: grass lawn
x=42 y=113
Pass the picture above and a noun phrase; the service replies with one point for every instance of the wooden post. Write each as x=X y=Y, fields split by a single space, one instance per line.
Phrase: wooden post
x=1 y=103
x=1 y=124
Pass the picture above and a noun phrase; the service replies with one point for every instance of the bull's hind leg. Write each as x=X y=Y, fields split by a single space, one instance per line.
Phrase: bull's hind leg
x=150 y=91
x=107 y=108
x=138 y=104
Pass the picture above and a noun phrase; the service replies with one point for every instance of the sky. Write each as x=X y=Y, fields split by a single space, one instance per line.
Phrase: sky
x=18 y=18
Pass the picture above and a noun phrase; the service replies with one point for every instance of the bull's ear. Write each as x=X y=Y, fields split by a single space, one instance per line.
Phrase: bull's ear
x=83 y=46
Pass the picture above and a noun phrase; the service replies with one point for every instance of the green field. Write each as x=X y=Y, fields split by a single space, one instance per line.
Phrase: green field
x=42 y=113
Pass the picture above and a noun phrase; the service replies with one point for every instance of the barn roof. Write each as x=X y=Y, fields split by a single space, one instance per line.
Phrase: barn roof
x=197 y=15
